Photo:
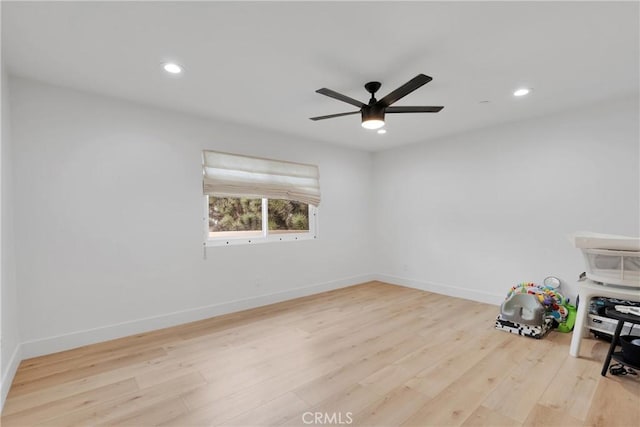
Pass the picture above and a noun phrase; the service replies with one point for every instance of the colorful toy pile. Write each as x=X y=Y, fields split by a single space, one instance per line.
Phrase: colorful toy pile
x=553 y=301
x=557 y=311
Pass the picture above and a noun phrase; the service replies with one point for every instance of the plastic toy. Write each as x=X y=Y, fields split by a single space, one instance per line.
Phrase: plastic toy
x=553 y=301
x=523 y=308
x=568 y=324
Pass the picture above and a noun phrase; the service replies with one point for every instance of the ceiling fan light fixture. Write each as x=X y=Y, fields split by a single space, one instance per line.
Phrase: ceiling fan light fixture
x=521 y=92
x=372 y=124
x=372 y=118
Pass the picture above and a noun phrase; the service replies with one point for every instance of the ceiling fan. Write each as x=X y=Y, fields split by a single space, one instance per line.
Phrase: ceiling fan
x=373 y=112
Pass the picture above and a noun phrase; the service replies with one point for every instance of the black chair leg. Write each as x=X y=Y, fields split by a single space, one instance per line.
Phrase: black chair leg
x=612 y=347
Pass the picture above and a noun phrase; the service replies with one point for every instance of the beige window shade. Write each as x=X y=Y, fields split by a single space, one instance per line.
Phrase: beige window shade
x=233 y=175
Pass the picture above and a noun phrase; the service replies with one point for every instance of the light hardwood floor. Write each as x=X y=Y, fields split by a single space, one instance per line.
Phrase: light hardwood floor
x=374 y=354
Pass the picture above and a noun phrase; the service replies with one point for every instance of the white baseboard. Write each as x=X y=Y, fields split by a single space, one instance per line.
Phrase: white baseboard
x=81 y=338
x=439 y=288
x=7 y=377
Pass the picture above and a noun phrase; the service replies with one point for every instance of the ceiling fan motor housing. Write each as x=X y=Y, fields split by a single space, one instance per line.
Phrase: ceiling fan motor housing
x=372 y=112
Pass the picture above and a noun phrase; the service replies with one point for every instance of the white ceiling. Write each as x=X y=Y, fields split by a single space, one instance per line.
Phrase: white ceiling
x=260 y=63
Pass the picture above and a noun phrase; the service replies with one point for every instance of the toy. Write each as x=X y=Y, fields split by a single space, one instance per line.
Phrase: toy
x=523 y=308
x=567 y=325
x=551 y=299
x=524 y=312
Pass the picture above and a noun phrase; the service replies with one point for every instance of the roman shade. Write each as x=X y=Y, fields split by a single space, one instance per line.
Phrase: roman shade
x=233 y=175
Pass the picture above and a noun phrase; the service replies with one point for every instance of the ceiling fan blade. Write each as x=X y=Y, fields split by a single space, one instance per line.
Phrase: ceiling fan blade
x=412 y=109
x=331 y=116
x=404 y=90
x=344 y=98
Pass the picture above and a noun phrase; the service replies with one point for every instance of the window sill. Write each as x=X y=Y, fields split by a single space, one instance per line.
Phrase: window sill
x=285 y=237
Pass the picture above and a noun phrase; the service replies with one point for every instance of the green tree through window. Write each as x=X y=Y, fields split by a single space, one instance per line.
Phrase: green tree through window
x=234 y=214
x=288 y=215
x=231 y=214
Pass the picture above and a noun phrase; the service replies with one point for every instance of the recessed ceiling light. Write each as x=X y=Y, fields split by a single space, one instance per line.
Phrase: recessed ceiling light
x=381 y=131
x=521 y=92
x=171 y=67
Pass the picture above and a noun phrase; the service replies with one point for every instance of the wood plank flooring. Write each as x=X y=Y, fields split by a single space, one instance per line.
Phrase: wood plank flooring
x=368 y=355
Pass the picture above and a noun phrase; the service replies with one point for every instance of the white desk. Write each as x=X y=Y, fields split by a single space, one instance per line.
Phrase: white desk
x=588 y=290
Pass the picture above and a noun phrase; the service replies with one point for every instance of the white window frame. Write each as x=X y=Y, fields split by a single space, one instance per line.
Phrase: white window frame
x=265 y=236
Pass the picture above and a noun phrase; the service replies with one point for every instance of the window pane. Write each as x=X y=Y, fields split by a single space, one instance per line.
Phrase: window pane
x=234 y=217
x=286 y=216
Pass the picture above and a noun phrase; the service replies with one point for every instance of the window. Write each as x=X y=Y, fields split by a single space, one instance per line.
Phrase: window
x=234 y=217
x=251 y=200
x=287 y=216
x=236 y=220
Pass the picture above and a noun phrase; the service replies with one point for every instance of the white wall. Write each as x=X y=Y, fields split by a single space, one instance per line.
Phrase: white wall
x=109 y=209
x=10 y=338
x=473 y=214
